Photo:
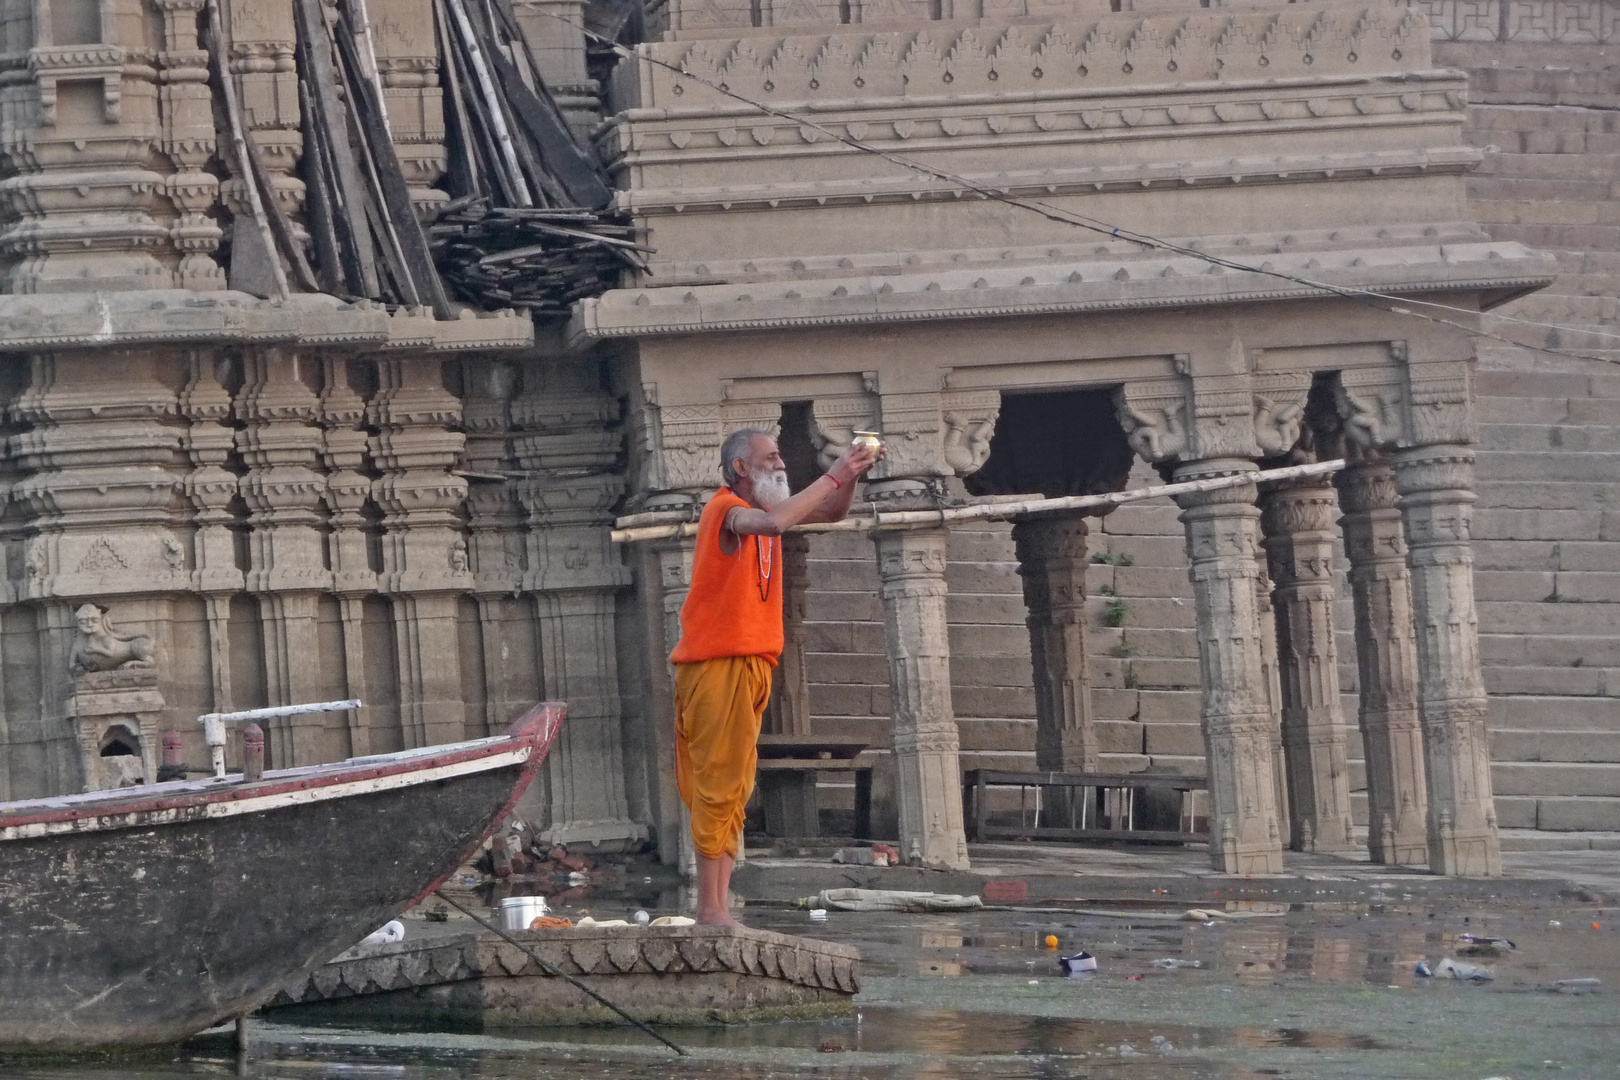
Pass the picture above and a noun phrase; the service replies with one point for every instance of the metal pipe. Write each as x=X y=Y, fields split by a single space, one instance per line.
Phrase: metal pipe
x=252 y=753
x=214 y=723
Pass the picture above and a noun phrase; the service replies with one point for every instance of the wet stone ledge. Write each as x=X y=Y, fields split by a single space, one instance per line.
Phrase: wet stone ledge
x=673 y=975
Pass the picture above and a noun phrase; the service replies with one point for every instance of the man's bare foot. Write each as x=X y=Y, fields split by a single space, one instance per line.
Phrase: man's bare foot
x=722 y=919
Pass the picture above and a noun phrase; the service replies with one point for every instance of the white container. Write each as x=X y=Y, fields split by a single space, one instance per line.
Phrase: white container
x=517 y=912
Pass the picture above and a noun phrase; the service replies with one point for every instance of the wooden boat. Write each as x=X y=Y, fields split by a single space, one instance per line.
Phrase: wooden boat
x=144 y=915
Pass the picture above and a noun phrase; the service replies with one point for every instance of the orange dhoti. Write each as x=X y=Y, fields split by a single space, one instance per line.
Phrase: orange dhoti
x=718 y=706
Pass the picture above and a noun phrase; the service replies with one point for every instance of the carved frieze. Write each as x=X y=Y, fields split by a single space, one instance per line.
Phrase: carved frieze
x=835 y=419
x=1154 y=415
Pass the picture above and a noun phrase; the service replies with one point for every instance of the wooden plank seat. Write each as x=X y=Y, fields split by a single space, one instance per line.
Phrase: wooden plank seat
x=790 y=765
x=1087 y=806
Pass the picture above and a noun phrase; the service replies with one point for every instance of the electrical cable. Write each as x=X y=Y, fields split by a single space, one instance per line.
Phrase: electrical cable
x=1393 y=304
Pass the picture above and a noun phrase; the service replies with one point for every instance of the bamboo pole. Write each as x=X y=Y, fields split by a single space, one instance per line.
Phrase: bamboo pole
x=1001 y=511
x=497 y=119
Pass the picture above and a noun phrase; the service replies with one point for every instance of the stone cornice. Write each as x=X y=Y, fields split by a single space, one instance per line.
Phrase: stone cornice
x=1500 y=270
x=1135 y=177
x=727 y=130
x=40 y=322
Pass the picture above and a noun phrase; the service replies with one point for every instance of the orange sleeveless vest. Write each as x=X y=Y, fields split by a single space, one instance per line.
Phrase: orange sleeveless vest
x=734 y=607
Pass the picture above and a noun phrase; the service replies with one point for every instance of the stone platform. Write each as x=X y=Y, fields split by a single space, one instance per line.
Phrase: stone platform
x=671 y=975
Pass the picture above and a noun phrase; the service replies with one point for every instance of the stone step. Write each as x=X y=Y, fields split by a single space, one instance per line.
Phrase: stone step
x=1543 y=840
x=1522 y=746
x=1550 y=713
x=1560 y=438
x=1544 y=779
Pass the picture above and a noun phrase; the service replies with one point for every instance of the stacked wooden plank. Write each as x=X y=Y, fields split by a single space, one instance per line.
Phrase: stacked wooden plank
x=526 y=226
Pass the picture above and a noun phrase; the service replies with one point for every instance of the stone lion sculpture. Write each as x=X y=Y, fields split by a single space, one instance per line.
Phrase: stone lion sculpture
x=101 y=648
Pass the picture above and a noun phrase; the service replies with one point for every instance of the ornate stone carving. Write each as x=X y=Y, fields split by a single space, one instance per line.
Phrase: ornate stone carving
x=1052 y=563
x=1369 y=402
x=1436 y=504
x=911 y=564
x=98 y=647
x=1236 y=716
x=1386 y=660
x=1154 y=416
x=1297 y=519
x=970 y=421
x=835 y=421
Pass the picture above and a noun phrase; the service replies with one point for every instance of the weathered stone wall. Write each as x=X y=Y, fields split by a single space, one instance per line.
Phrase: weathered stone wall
x=1547 y=530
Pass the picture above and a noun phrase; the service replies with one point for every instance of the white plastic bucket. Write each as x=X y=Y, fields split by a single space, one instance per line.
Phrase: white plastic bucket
x=517 y=912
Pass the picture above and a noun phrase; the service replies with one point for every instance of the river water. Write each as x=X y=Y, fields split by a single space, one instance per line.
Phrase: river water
x=1321 y=991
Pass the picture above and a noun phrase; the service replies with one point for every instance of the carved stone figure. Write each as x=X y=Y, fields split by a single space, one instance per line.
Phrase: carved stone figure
x=101 y=648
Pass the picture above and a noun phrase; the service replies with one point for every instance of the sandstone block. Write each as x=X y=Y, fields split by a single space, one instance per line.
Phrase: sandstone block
x=1536 y=681
x=1515 y=812
x=1523 y=410
x=1119 y=737
x=1530 y=495
x=1006 y=608
x=1177 y=764
x=1134 y=581
x=1505 y=554
x=1556 y=778
x=1015 y=702
x=1145 y=519
x=1596 y=410
x=1184 y=739
x=1540 y=524
x=1572 y=619
x=970 y=670
x=1555 y=713
x=1107 y=672
x=1123 y=763
x=1500 y=648
x=982 y=639
x=1152 y=673
x=994 y=735
x=1162 y=644
x=1492 y=585
x=1528 y=384
x=822 y=605
x=1602 y=555
x=1578 y=814
x=1007 y=760
x=1147 y=550
x=1584 y=651
x=848 y=668
x=1114 y=704
x=825 y=637
x=1170 y=707
x=1159 y=613
x=1522 y=465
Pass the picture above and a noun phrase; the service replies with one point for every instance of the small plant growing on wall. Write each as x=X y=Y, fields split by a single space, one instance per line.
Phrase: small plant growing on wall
x=1114 y=614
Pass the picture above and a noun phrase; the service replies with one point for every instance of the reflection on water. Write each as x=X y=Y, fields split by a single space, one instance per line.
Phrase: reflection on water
x=1319 y=992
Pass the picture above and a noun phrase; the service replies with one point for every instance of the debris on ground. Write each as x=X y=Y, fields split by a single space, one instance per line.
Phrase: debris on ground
x=1575 y=986
x=1479 y=945
x=889 y=900
x=1078 y=963
x=1456 y=969
x=1172 y=963
x=876 y=855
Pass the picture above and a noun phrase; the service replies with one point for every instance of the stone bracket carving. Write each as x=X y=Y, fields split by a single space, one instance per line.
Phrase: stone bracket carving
x=970 y=421
x=1154 y=416
x=1279 y=410
x=836 y=419
x=53 y=64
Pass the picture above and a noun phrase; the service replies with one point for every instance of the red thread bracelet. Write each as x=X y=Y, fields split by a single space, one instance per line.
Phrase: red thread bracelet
x=834 y=479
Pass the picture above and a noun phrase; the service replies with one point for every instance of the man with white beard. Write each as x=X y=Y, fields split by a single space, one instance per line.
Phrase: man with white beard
x=731 y=637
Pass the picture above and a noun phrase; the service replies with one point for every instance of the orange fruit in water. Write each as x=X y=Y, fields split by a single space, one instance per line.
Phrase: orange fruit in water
x=1051 y=941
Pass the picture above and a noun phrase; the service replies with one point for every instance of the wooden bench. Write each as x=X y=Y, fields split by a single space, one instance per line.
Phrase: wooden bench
x=789 y=766
x=1078 y=807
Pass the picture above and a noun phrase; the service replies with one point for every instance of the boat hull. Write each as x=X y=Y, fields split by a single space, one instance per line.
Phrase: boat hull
x=149 y=926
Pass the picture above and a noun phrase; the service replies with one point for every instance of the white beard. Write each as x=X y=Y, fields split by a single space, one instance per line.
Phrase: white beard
x=771 y=489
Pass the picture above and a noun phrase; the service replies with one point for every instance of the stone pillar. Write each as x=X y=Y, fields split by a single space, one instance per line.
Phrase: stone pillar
x=569 y=444
x=789 y=711
x=665 y=577
x=1297 y=519
x=343 y=453
x=210 y=487
x=1436 y=503
x=1386 y=658
x=189 y=141
x=286 y=572
x=261 y=37
x=425 y=568
x=1245 y=837
x=911 y=565
x=1268 y=667
x=1052 y=562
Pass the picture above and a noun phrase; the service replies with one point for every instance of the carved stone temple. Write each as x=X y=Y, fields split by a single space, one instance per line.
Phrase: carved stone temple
x=1046 y=247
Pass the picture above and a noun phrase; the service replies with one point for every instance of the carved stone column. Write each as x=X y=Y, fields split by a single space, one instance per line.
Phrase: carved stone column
x=261 y=37
x=1221 y=543
x=343 y=453
x=570 y=443
x=911 y=565
x=283 y=491
x=1052 y=562
x=425 y=568
x=1436 y=503
x=1268 y=667
x=1297 y=519
x=210 y=486
x=665 y=576
x=1386 y=658
x=188 y=142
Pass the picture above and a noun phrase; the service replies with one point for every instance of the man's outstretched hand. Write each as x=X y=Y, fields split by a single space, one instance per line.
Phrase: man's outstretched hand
x=855 y=462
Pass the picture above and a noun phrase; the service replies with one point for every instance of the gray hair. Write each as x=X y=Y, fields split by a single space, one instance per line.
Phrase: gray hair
x=737 y=445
